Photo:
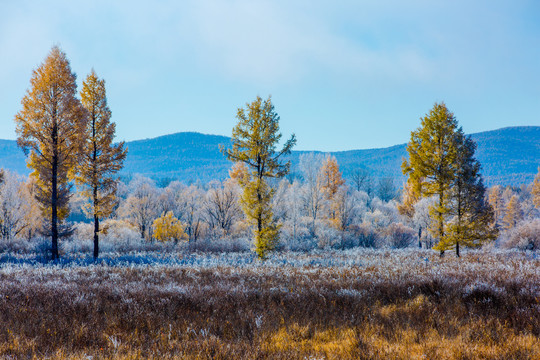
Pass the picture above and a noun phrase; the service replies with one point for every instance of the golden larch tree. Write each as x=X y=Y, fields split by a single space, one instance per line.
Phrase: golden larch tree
x=535 y=191
x=496 y=201
x=471 y=216
x=254 y=141
x=514 y=213
x=331 y=181
x=100 y=159
x=432 y=162
x=50 y=130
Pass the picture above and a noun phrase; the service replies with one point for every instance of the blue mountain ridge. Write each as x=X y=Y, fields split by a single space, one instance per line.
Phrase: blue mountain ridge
x=509 y=156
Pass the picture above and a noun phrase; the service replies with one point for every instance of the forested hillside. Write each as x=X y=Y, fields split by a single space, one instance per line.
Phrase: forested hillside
x=509 y=156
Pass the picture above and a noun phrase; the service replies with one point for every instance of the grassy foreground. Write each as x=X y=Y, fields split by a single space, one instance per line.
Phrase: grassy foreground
x=329 y=305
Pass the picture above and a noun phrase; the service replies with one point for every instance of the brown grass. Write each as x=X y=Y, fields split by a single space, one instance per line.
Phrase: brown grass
x=387 y=305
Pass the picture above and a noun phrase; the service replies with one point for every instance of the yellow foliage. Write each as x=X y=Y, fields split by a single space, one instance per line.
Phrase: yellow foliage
x=536 y=190
x=168 y=228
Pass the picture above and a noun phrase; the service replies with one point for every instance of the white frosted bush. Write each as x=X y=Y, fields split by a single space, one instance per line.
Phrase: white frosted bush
x=525 y=236
x=398 y=236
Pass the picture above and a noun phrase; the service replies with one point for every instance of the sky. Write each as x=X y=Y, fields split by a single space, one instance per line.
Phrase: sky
x=342 y=74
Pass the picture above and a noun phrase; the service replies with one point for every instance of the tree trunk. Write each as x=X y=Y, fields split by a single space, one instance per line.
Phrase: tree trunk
x=95 y=185
x=54 y=198
x=96 y=237
x=457 y=248
x=441 y=219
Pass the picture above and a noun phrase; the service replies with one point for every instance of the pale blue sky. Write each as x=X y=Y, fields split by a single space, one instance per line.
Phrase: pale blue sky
x=342 y=74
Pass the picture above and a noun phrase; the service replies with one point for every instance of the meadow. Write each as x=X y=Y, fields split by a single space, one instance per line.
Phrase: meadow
x=353 y=304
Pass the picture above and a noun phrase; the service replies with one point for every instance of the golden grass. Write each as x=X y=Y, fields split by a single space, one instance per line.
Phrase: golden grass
x=483 y=306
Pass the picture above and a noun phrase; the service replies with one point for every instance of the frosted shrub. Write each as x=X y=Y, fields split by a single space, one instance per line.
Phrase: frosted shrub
x=81 y=240
x=366 y=236
x=16 y=245
x=525 y=236
x=121 y=236
x=398 y=236
x=303 y=241
x=328 y=237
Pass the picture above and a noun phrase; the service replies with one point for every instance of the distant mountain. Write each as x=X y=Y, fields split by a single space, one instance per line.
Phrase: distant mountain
x=509 y=156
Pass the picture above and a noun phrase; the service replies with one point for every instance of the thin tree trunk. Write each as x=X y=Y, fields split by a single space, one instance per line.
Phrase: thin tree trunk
x=441 y=220
x=96 y=237
x=54 y=197
x=95 y=187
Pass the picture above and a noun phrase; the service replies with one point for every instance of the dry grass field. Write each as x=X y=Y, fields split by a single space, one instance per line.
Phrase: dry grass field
x=357 y=304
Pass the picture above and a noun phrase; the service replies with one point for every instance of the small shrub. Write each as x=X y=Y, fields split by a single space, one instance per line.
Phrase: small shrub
x=525 y=236
x=399 y=236
x=168 y=228
x=366 y=236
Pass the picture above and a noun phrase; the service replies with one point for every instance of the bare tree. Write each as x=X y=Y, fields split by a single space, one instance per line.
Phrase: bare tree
x=362 y=180
x=191 y=201
x=312 y=194
x=221 y=206
x=386 y=189
x=140 y=208
x=16 y=205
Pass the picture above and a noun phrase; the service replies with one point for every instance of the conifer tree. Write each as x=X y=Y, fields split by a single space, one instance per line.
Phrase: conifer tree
x=254 y=141
x=409 y=198
x=100 y=159
x=331 y=181
x=471 y=221
x=50 y=129
x=497 y=203
x=432 y=163
x=513 y=213
x=536 y=190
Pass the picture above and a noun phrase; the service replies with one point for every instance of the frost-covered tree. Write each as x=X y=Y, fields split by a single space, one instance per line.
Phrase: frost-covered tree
x=221 y=206
x=361 y=180
x=295 y=209
x=191 y=201
x=386 y=189
x=140 y=207
x=16 y=207
x=422 y=220
x=312 y=192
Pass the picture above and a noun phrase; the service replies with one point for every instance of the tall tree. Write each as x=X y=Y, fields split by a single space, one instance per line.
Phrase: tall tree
x=536 y=190
x=255 y=138
x=312 y=193
x=100 y=158
x=361 y=180
x=432 y=160
x=514 y=213
x=331 y=181
x=497 y=203
x=50 y=129
x=471 y=216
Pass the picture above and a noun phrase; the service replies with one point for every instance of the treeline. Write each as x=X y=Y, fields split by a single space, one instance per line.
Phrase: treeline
x=209 y=215
x=74 y=186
